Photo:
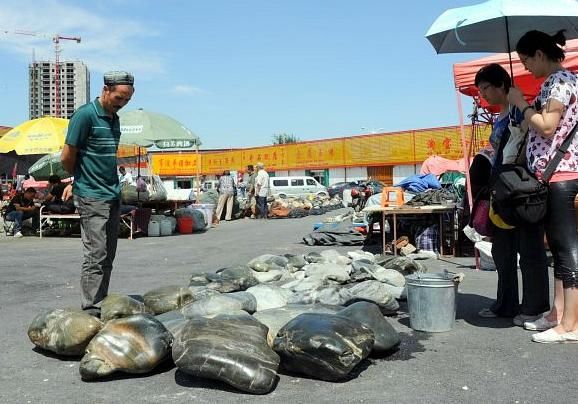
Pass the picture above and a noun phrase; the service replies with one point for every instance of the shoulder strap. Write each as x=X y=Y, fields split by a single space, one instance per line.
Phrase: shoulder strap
x=553 y=164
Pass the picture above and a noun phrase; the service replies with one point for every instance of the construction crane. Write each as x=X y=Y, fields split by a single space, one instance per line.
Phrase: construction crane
x=56 y=38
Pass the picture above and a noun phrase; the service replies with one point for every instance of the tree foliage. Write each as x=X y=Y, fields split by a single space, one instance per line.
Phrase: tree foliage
x=284 y=138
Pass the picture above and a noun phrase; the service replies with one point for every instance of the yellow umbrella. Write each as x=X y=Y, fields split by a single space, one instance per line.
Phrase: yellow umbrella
x=37 y=136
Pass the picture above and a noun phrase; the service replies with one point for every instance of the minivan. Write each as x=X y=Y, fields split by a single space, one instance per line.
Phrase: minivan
x=210 y=184
x=296 y=186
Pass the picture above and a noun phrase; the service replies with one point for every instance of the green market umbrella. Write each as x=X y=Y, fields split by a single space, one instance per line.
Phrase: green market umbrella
x=48 y=165
x=51 y=165
x=145 y=129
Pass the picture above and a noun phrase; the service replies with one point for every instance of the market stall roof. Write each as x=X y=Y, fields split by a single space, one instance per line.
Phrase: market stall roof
x=465 y=73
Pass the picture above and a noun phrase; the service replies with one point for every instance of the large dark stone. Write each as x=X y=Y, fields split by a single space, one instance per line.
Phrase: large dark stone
x=295 y=262
x=373 y=292
x=226 y=303
x=323 y=346
x=267 y=262
x=167 y=298
x=368 y=314
x=173 y=320
x=63 y=331
x=135 y=344
x=276 y=318
x=119 y=306
x=230 y=348
x=232 y=279
x=314 y=257
x=404 y=265
x=199 y=280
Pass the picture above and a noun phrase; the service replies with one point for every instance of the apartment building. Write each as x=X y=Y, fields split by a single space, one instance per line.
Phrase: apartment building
x=74 y=88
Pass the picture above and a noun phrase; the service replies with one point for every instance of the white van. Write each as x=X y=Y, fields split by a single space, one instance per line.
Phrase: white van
x=296 y=186
x=210 y=184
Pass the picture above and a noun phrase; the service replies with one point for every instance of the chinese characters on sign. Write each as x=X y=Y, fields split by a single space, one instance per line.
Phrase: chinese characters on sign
x=174 y=164
x=382 y=149
x=171 y=144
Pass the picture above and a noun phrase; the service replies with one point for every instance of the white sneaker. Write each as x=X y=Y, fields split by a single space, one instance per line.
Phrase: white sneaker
x=542 y=324
x=520 y=319
x=18 y=235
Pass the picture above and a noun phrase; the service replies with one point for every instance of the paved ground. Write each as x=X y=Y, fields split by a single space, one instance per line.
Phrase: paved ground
x=481 y=360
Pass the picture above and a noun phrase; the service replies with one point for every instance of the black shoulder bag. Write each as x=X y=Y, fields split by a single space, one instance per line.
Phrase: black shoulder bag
x=518 y=196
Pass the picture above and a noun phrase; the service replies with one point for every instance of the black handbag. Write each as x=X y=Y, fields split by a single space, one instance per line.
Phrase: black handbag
x=520 y=198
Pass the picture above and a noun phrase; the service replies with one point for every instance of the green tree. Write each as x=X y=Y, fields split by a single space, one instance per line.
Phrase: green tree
x=284 y=138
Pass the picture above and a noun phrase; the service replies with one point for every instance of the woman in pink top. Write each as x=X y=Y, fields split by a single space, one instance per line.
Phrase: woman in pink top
x=551 y=118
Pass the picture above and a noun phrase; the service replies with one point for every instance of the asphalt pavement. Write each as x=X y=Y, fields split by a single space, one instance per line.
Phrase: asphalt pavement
x=480 y=360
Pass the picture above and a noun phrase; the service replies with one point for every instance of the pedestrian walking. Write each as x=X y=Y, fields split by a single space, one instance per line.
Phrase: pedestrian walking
x=226 y=195
x=251 y=201
x=262 y=190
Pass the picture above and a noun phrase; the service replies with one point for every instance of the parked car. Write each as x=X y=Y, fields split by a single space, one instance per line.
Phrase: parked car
x=338 y=187
x=296 y=186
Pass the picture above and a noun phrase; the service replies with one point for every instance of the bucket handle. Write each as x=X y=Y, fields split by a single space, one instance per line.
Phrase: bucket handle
x=453 y=276
x=456 y=277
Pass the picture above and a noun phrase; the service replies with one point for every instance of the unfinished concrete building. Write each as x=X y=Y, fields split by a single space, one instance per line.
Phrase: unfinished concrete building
x=74 y=89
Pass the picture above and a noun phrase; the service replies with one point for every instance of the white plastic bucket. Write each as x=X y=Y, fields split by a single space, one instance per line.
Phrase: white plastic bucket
x=207 y=209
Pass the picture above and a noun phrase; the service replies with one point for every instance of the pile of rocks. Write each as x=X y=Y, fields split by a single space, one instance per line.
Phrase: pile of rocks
x=318 y=314
x=303 y=206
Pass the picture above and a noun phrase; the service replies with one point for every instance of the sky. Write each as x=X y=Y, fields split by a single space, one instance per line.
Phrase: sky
x=236 y=72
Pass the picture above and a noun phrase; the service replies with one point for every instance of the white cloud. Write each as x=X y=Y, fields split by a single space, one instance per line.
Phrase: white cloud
x=186 y=90
x=109 y=41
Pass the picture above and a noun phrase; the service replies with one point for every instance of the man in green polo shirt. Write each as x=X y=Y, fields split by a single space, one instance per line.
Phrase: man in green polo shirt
x=90 y=153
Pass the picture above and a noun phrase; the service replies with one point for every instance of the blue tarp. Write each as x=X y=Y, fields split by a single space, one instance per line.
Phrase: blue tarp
x=419 y=183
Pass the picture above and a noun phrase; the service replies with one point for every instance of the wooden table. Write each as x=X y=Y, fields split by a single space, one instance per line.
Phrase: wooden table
x=404 y=210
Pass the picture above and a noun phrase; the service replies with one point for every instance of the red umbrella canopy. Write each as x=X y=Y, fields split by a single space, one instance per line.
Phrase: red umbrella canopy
x=465 y=73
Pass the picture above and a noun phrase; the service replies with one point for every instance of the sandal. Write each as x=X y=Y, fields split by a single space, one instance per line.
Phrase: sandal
x=401 y=242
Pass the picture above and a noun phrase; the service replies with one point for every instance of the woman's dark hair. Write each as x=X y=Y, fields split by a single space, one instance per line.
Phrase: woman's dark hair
x=494 y=74
x=532 y=41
